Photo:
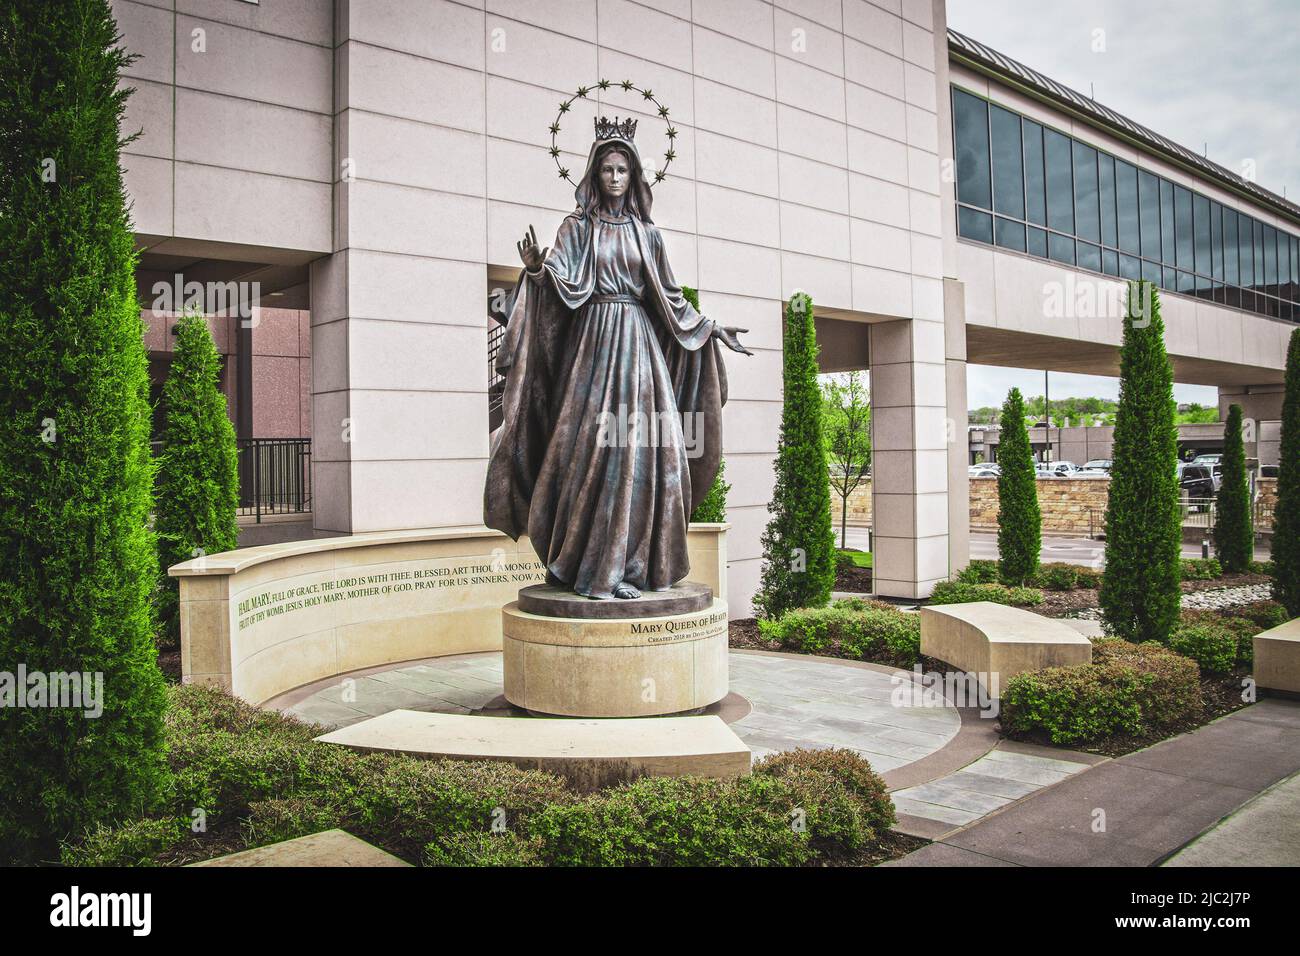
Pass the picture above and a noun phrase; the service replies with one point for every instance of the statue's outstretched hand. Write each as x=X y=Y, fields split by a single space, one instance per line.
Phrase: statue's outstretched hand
x=532 y=256
x=728 y=335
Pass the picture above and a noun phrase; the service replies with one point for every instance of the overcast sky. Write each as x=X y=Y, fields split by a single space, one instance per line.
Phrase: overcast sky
x=1220 y=72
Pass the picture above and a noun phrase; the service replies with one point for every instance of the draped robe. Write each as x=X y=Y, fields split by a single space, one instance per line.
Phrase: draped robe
x=600 y=336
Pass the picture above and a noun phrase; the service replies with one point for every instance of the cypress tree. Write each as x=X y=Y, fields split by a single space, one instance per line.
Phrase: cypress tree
x=1020 y=522
x=1140 y=586
x=713 y=507
x=77 y=556
x=197 y=492
x=799 y=542
x=1286 y=515
x=1234 y=535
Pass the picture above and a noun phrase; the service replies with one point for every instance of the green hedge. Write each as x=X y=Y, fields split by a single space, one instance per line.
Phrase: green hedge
x=1213 y=647
x=1199 y=569
x=259 y=778
x=1127 y=689
x=979 y=572
x=1020 y=520
x=959 y=592
x=855 y=629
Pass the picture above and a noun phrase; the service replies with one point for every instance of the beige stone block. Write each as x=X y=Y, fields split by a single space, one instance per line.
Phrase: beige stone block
x=590 y=753
x=327 y=848
x=997 y=642
x=1277 y=658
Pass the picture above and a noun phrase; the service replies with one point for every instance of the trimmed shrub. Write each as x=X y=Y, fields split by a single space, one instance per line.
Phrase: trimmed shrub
x=1286 y=514
x=799 y=543
x=1140 y=595
x=1058 y=577
x=1213 y=647
x=865 y=631
x=197 y=491
x=847 y=766
x=958 y=592
x=77 y=555
x=138 y=843
x=979 y=572
x=1234 y=533
x=1020 y=531
x=1199 y=569
x=1261 y=567
x=1088 y=579
x=1128 y=689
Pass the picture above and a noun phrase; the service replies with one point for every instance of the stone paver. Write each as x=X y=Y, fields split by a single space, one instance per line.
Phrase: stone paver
x=796 y=702
x=1138 y=809
x=1264 y=832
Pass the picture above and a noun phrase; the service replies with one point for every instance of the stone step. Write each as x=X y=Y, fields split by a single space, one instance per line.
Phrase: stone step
x=588 y=752
x=327 y=848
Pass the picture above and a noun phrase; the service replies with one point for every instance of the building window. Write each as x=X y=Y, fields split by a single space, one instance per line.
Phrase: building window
x=1032 y=189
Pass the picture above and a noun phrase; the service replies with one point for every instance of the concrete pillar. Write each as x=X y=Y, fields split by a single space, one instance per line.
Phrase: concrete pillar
x=954 y=307
x=910 y=456
x=399 y=339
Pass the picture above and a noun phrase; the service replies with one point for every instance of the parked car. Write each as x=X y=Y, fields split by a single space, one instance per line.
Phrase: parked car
x=1099 y=464
x=1207 y=460
x=1091 y=473
x=983 y=471
x=1057 y=469
x=1196 y=481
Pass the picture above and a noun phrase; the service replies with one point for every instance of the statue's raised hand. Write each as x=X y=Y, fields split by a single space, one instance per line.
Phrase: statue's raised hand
x=728 y=336
x=532 y=256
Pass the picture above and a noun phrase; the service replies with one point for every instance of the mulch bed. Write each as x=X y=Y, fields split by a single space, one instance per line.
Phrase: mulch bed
x=1221 y=693
x=1065 y=603
x=1226 y=581
x=853 y=578
x=169 y=662
x=892 y=846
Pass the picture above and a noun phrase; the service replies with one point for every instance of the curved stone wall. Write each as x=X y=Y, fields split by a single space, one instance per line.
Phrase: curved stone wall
x=260 y=621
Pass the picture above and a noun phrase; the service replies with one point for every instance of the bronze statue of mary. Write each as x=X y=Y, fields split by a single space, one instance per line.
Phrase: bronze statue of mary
x=604 y=361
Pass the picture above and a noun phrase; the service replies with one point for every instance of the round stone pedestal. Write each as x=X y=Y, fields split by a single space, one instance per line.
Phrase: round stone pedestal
x=615 y=667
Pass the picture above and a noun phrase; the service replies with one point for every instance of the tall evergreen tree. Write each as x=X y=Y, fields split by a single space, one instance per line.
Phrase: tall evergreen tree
x=76 y=554
x=197 y=492
x=1286 y=515
x=1140 y=586
x=1020 y=521
x=1234 y=533
x=799 y=543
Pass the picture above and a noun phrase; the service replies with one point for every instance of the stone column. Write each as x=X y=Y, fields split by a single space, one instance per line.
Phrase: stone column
x=399 y=341
x=910 y=456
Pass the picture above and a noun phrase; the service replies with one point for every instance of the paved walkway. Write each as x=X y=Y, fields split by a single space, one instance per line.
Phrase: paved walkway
x=794 y=701
x=1138 y=809
x=1264 y=832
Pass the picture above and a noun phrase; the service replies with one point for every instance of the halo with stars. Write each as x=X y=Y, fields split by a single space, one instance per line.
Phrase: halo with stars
x=628 y=86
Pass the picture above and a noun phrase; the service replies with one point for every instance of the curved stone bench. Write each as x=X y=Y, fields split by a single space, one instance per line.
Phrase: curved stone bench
x=996 y=642
x=261 y=621
x=1277 y=658
x=589 y=753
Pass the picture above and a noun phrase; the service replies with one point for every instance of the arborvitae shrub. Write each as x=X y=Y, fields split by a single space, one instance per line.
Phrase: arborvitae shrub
x=1234 y=533
x=799 y=543
x=1139 y=590
x=76 y=552
x=197 y=492
x=1286 y=514
x=1019 y=519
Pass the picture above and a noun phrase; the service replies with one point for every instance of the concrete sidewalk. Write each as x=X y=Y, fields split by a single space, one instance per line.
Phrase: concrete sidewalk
x=1139 y=809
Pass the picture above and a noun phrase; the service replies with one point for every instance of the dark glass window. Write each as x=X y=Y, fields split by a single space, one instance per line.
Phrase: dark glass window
x=1230 y=272
x=1259 y=256
x=1149 y=192
x=1110 y=262
x=1009 y=234
x=974 y=225
x=1060 y=248
x=1295 y=269
x=1008 y=177
x=1089 y=256
x=1270 y=260
x=1035 y=184
x=1106 y=194
x=1151 y=271
x=1216 y=241
x=1169 y=278
x=1060 y=182
x=1087 y=224
x=1201 y=233
x=1130 y=267
x=1245 y=252
x=1126 y=197
x=1183 y=227
x=971 y=126
x=1038 y=242
x=1167 y=222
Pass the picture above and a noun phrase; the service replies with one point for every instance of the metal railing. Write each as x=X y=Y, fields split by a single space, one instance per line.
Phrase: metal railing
x=274 y=476
x=1196 y=513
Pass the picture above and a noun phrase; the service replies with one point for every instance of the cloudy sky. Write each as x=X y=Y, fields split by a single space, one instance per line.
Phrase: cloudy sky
x=1216 y=73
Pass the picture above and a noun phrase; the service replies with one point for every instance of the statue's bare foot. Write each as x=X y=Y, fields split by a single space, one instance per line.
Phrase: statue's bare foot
x=625 y=590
